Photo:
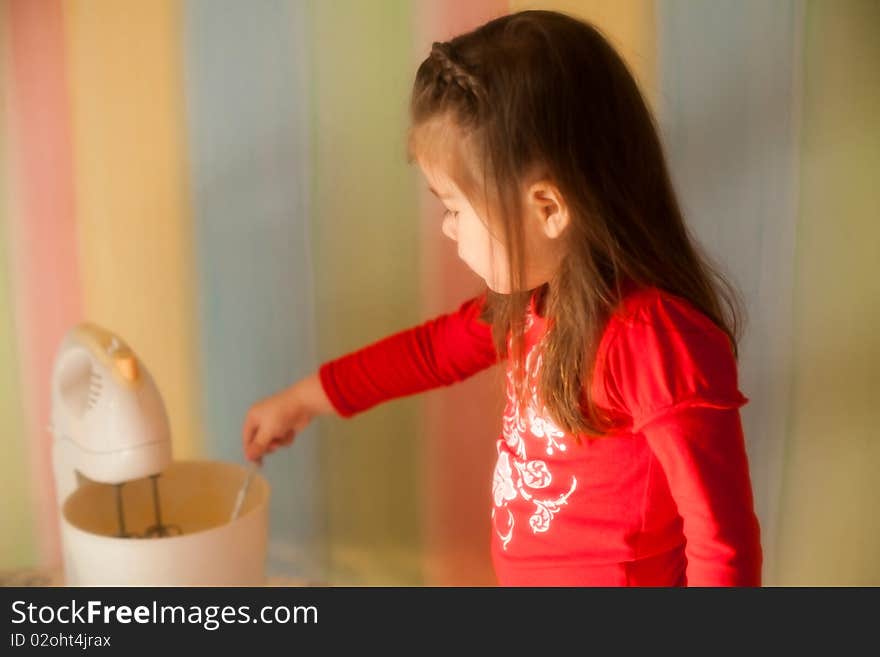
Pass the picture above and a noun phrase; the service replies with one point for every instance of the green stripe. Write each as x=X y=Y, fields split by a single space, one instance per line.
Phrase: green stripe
x=365 y=236
x=17 y=541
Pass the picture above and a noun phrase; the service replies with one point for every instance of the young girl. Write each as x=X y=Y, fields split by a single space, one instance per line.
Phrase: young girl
x=622 y=459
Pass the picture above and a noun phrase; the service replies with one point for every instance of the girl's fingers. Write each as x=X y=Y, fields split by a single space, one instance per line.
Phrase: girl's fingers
x=248 y=430
x=258 y=439
x=266 y=442
x=259 y=443
x=281 y=441
x=252 y=451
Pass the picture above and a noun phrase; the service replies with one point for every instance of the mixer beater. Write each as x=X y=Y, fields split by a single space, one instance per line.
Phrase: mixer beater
x=158 y=530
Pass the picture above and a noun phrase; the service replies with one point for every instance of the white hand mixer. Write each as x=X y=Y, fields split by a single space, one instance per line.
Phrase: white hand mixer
x=108 y=420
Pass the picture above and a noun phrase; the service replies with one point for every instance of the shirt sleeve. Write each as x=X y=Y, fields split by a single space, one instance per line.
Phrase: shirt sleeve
x=442 y=351
x=673 y=373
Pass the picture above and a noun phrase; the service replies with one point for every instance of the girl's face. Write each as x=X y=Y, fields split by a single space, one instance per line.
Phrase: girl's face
x=482 y=250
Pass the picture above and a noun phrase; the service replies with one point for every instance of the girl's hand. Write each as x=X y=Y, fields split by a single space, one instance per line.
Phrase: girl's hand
x=276 y=420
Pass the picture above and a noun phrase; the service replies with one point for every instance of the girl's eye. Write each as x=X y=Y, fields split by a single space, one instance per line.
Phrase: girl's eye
x=449 y=212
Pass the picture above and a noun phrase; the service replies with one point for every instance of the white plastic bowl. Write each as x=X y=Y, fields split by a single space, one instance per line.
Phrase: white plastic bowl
x=198 y=497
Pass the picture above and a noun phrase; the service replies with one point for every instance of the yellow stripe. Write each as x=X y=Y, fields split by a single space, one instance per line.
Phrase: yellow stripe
x=628 y=24
x=134 y=219
x=829 y=531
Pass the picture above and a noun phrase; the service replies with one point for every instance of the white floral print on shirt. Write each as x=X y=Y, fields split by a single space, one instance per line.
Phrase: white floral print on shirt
x=516 y=474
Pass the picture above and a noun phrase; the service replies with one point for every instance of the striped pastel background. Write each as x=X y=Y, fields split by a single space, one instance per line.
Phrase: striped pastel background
x=224 y=184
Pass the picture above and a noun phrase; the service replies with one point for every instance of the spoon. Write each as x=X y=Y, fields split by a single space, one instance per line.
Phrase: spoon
x=242 y=492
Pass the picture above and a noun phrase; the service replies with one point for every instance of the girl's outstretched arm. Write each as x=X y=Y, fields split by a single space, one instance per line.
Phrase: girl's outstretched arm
x=439 y=352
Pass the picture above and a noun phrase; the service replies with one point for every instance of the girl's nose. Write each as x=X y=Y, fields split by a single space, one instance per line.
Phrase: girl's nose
x=449 y=227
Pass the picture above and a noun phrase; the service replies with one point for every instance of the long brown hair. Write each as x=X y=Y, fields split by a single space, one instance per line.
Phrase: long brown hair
x=541 y=89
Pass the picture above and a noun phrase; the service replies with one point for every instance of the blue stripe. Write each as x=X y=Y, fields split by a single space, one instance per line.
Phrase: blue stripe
x=248 y=119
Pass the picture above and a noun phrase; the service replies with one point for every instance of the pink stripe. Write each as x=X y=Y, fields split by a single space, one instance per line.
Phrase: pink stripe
x=43 y=231
x=462 y=422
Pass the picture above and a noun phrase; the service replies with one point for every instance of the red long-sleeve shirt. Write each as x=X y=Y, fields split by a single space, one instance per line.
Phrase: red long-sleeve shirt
x=664 y=500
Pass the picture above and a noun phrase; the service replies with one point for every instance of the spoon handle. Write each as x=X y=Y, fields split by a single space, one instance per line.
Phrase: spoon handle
x=242 y=492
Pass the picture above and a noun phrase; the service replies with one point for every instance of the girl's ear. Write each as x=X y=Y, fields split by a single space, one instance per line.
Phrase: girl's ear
x=546 y=203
